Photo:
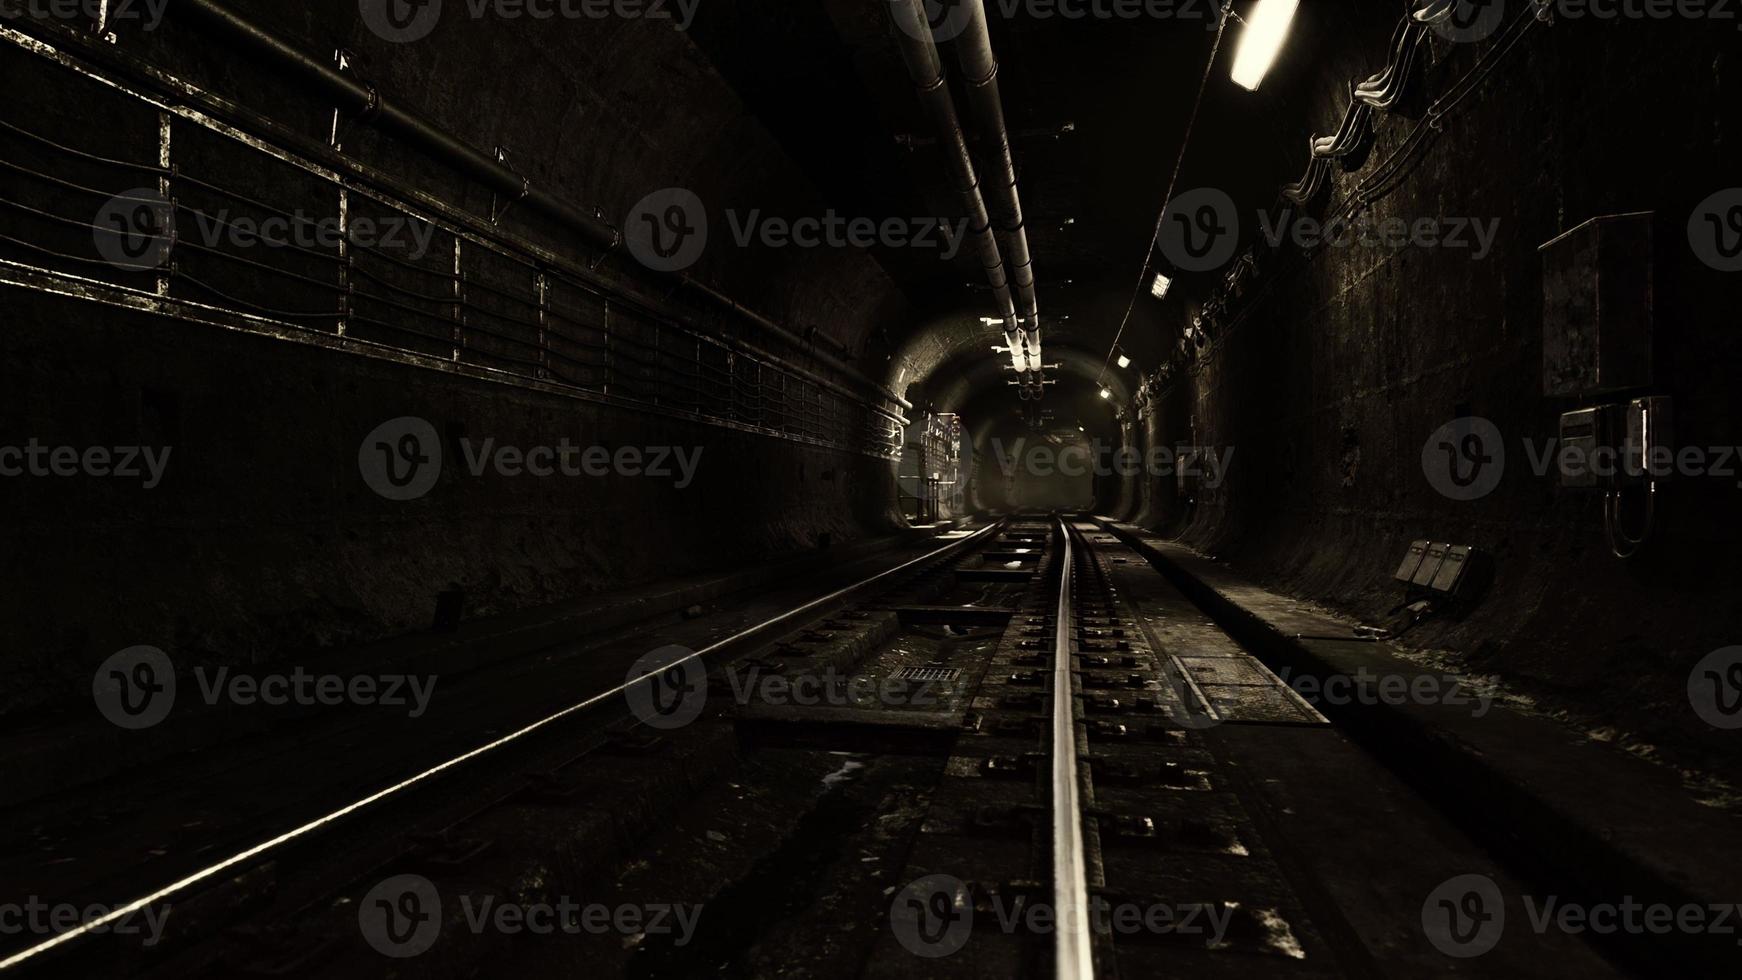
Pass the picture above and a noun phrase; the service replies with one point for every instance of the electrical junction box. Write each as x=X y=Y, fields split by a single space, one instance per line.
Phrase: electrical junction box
x=1597 y=307
x=1412 y=560
x=1429 y=569
x=1451 y=572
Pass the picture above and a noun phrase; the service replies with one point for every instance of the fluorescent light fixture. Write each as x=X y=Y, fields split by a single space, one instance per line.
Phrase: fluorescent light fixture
x=1106 y=393
x=1261 y=41
x=1160 y=286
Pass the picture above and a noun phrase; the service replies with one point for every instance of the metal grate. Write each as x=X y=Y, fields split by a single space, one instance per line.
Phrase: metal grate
x=927 y=674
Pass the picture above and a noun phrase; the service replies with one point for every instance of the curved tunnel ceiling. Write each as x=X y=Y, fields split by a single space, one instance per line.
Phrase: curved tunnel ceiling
x=1097 y=111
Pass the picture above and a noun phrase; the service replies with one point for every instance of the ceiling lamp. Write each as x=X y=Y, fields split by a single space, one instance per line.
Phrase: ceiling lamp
x=1160 y=286
x=1106 y=393
x=1123 y=359
x=1261 y=41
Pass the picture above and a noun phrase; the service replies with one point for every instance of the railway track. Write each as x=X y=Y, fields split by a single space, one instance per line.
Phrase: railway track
x=1019 y=754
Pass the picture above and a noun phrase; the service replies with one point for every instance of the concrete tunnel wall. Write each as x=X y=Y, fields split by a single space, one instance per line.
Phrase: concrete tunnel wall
x=263 y=542
x=1330 y=384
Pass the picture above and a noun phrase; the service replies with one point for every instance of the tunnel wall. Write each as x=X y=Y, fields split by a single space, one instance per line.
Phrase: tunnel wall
x=263 y=541
x=1331 y=383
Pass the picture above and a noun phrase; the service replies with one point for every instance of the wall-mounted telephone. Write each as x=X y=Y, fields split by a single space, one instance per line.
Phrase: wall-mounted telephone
x=1618 y=447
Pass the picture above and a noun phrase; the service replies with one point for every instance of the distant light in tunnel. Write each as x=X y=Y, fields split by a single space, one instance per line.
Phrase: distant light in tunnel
x=1261 y=41
x=1160 y=286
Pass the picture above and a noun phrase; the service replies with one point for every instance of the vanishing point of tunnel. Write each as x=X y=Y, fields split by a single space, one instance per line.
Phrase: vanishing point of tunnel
x=879 y=489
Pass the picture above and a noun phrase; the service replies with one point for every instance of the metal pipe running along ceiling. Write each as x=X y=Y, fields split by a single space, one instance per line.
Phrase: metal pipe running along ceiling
x=1011 y=266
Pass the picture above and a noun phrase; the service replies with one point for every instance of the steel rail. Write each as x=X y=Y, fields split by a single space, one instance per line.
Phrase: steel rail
x=1073 y=954
x=213 y=871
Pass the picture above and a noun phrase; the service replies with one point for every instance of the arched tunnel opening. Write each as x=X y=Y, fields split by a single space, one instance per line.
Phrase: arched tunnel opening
x=870 y=488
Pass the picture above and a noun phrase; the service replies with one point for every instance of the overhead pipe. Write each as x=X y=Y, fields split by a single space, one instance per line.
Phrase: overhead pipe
x=980 y=74
x=370 y=106
x=920 y=53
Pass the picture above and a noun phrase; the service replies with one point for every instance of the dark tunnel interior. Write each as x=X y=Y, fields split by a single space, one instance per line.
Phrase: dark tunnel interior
x=871 y=488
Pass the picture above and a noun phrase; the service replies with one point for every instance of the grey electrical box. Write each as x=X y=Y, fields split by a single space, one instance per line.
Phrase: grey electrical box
x=1450 y=578
x=1597 y=307
x=1430 y=565
x=1412 y=561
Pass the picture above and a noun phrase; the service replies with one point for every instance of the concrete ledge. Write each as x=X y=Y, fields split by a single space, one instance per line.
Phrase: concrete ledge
x=1585 y=821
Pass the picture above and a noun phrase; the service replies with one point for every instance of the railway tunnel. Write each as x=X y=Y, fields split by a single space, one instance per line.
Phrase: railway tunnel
x=870 y=488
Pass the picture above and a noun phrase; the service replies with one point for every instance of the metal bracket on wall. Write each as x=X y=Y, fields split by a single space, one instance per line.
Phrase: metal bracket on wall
x=497 y=208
